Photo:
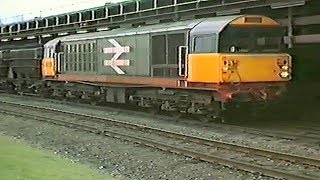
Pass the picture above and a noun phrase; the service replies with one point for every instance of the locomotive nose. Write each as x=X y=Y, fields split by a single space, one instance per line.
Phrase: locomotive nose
x=256 y=68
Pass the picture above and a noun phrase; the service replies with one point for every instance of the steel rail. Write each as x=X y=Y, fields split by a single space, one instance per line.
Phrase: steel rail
x=201 y=140
x=284 y=135
x=204 y=157
x=264 y=132
x=168 y=148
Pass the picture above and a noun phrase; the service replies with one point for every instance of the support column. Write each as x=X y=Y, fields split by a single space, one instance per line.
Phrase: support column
x=57 y=21
x=39 y=40
x=290 y=28
x=92 y=15
x=10 y=72
x=137 y=6
x=46 y=22
x=68 y=19
x=121 y=9
x=107 y=12
x=155 y=4
x=80 y=17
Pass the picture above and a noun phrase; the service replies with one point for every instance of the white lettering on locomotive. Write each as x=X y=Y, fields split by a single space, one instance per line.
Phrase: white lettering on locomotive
x=117 y=50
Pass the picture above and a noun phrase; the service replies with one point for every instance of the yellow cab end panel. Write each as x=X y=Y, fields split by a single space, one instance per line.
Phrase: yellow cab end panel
x=48 y=67
x=204 y=68
x=255 y=67
x=249 y=20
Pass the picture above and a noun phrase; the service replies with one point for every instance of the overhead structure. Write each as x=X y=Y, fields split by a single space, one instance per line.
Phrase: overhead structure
x=140 y=12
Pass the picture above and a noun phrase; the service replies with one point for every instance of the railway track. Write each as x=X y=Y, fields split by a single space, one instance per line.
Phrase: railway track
x=203 y=149
x=303 y=134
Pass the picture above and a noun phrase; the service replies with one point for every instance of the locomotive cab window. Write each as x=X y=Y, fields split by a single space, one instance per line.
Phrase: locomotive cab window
x=204 y=44
x=237 y=39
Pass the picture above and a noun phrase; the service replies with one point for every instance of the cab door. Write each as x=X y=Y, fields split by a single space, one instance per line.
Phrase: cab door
x=50 y=65
x=203 y=61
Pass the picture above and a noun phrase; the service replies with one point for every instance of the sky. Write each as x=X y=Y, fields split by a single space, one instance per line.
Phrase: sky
x=11 y=10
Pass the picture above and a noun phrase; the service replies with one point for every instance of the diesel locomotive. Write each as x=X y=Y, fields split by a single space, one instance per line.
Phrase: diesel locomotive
x=193 y=66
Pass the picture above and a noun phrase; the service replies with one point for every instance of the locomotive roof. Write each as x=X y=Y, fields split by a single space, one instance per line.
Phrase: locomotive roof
x=218 y=23
x=213 y=25
x=163 y=27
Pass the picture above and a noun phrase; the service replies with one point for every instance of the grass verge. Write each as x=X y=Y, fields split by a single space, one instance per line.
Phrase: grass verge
x=19 y=161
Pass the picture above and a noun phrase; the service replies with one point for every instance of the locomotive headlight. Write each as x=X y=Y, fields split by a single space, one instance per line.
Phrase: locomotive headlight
x=225 y=68
x=284 y=74
x=285 y=67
